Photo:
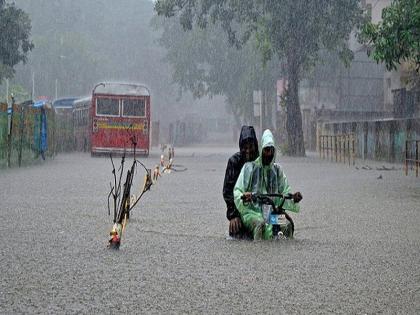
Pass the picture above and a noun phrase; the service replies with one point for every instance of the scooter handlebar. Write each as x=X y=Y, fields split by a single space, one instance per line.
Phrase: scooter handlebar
x=256 y=196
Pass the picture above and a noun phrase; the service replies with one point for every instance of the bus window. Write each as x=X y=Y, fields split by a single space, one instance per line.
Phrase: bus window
x=134 y=108
x=107 y=106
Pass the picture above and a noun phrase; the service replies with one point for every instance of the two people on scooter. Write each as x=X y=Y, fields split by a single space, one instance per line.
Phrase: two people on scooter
x=262 y=176
x=248 y=151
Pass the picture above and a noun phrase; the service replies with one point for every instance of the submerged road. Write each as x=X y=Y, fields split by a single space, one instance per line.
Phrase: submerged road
x=356 y=248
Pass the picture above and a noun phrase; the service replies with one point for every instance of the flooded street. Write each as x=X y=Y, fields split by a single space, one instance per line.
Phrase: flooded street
x=356 y=246
x=337 y=77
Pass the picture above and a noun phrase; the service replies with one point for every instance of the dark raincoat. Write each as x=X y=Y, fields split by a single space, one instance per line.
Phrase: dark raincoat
x=233 y=170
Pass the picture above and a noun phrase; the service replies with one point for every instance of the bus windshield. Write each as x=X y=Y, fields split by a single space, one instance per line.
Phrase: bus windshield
x=107 y=106
x=133 y=108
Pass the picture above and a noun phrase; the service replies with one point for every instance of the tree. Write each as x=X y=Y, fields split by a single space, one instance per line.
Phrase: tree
x=15 y=29
x=294 y=31
x=19 y=94
x=204 y=63
x=78 y=45
x=397 y=37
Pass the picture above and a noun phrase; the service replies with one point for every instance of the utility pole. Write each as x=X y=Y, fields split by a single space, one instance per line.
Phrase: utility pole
x=33 y=86
x=9 y=108
x=56 y=88
x=10 y=127
x=7 y=92
x=261 y=113
x=257 y=98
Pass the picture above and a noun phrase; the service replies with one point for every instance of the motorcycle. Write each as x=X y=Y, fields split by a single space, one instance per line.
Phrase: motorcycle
x=282 y=224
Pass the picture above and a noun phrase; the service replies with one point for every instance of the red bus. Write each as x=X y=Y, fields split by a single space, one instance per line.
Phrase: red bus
x=117 y=113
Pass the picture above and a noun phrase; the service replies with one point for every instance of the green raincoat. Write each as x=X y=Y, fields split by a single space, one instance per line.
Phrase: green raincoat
x=257 y=178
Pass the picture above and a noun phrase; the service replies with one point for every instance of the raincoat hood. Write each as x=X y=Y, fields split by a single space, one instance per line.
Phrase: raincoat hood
x=267 y=140
x=247 y=134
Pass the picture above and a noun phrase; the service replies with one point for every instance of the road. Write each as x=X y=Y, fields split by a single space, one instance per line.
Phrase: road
x=356 y=248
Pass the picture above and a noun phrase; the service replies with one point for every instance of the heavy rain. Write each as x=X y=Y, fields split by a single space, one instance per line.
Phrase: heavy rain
x=236 y=157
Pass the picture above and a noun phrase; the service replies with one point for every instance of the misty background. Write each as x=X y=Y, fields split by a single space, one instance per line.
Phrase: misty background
x=80 y=43
x=198 y=78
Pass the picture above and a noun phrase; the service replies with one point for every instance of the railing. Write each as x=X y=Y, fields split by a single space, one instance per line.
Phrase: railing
x=21 y=134
x=412 y=156
x=341 y=148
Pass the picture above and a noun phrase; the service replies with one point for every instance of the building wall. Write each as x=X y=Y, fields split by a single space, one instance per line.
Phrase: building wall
x=391 y=79
x=377 y=7
x=361 y=85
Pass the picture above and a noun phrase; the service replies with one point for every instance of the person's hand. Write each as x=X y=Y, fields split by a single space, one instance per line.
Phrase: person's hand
x=247 y=197
x=235 y=225
x=297 y=196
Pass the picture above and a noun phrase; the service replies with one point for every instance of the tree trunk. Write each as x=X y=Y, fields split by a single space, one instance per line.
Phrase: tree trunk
x=236 y=117
x=238 y=122
x=294 y=116
x=263 y=109
x=269 y=102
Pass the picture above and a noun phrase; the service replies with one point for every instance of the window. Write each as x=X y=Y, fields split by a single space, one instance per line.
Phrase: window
x=107 y=106
x=134 y=108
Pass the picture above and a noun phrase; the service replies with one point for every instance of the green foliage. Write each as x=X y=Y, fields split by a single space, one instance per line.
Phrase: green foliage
x=297 y=27
x=19 y=93
x=79 y=43
x=15 y=28
x=397 y=37
x=204 y=63
x=61 y=57
x=294 y=31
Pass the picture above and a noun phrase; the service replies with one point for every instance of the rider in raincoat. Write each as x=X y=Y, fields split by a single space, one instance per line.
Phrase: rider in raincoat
x=248 y=151
x=262 y=176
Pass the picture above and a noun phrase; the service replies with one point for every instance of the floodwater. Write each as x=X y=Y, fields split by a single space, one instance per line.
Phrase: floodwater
x=356 y=246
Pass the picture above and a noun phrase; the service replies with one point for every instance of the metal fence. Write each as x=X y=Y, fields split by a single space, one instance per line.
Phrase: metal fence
x=412 y=156
x=26 y=134
x=339 y=148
